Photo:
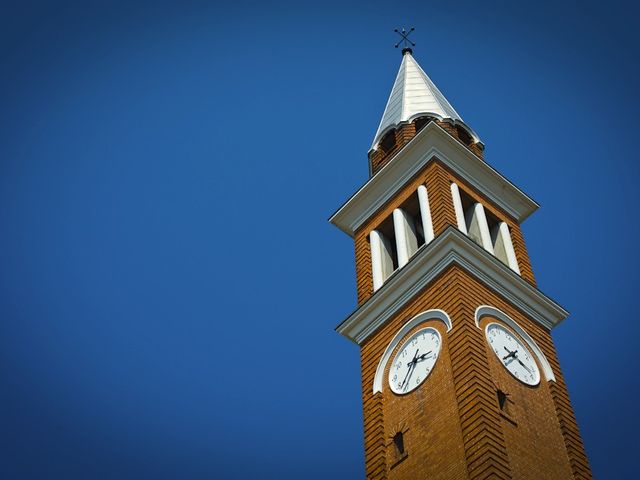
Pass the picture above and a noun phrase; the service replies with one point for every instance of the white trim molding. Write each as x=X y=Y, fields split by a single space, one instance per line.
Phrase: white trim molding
x=483 y=225
x=406 y=241
x=508 y=247
x=381 y=263
x=451 y=247
x=431 y=143
x=425 y=214
x=486 y=310
x=457 y=207
x=406 y=328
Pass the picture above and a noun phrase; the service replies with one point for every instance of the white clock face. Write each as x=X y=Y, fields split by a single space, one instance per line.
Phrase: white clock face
x=415 y=360
x=512 y=354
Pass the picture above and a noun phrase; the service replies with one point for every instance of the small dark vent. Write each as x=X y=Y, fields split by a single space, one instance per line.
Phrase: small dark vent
x=464 y=136
x=502 y=398
x=398 y=441
x=422 y=122
x=388 y=141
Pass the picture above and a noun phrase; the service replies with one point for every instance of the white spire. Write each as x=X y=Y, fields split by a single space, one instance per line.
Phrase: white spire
x=413 y=93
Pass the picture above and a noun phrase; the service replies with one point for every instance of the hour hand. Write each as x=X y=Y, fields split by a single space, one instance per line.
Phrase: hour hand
x=511 y=354
x=423 y=356
x=409 y=368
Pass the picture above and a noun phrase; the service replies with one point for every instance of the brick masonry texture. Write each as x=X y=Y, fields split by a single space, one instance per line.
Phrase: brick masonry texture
x=437 y=178
x=453 y=425
x=405 y=132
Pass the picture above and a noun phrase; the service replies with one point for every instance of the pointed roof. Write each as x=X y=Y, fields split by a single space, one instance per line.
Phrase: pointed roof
x=413 y=93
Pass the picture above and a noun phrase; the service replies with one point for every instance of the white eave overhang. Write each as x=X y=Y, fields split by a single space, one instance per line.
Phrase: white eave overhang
x=431 y=143
x=449 y=248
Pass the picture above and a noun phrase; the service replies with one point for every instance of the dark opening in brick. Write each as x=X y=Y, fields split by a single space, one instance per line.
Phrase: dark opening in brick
x=398 y=441
x=421 y=122
x=502 y=398
x=463 y=135
x=388 y=141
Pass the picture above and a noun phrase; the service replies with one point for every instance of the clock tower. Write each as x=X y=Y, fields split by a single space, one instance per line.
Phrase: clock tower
x=460 y=378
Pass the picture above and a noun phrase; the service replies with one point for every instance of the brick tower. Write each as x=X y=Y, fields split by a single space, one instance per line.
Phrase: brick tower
x=460 y=378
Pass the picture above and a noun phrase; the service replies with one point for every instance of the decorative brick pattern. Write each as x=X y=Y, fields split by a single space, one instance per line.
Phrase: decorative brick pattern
x=440 y=201
x=517 y=239
x=405 y=132
x=485 y=447
x=379 y=158
x=437 y=177
x=455 y=429
x=430 y=414
x=575 y=448
x=453 y=425
x=374 y=439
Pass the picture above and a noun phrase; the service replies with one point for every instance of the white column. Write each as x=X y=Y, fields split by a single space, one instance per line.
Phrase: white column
x=406 y=240
x=508 y=247
x=381 y=262
x=485 y=235
x=457 y=206
x=425 y=214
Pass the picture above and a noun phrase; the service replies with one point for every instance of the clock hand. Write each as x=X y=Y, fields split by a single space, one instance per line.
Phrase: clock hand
x=525 y=367
x=405 y=377
x=511 y=354
x=410 y=368
x=410 y=365
x=423 y=356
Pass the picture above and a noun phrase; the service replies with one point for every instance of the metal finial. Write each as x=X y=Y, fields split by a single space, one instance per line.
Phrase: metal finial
x=405 y=40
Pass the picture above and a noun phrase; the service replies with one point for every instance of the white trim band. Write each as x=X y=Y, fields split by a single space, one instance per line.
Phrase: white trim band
x=381 y=262
x=425 y=213
x=483 y=225
x=406 y=241
x=431 y=143
x=457 y=206
x=451 y=247
x=508 y=247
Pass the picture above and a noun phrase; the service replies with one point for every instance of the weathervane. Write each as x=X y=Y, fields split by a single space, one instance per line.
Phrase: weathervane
x=406 y=43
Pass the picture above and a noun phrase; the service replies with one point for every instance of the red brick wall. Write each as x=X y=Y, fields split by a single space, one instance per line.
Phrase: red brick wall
x=404 y=133
x=437 y=178
x=454 y=426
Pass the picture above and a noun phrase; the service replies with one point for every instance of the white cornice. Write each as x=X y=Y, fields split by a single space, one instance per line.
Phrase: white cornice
x=451 y=247
x=430 y=143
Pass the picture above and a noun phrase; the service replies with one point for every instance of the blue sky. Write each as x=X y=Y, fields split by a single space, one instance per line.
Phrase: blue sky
x=169 y=283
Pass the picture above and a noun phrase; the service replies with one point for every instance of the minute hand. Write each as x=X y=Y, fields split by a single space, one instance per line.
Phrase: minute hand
x=510 y=354
x=423 y=356
x=520 y=362
x=410 y=365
